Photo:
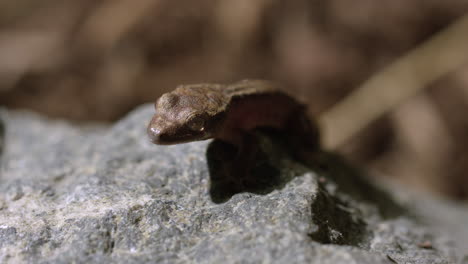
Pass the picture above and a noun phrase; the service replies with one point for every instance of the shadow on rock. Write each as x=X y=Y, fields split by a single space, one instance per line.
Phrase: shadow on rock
x=263 y=177
x=266 y=175
x=352 y=181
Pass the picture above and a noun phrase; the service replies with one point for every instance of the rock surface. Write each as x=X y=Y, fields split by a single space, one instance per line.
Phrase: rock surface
x=105 y=194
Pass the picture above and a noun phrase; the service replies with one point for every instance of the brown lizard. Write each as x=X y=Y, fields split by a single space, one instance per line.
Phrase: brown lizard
x=230 y=113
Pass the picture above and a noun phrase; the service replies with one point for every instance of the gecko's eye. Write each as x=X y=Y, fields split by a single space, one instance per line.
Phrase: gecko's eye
x=196 y=124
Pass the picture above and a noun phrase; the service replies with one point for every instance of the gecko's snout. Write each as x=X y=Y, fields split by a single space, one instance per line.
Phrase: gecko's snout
x=154 y=134
x=155 y=130
x=160 y=132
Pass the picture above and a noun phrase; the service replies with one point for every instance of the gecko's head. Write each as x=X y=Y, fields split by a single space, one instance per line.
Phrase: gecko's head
x=183 y=115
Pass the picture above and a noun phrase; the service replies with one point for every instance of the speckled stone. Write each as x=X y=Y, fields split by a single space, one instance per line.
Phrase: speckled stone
x=99 y=194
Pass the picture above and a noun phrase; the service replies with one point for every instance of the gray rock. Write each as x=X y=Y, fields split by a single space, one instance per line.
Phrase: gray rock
x=105 y=194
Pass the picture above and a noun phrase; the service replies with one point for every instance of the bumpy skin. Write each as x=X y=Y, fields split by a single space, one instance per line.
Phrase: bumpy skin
x=229 y=113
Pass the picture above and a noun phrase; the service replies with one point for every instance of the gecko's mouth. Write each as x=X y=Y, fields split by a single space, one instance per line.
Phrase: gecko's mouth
x=163 y=138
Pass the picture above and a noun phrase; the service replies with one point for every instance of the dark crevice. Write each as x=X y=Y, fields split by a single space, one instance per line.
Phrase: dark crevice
x=101 y=237
x=109 y=228
x=109 y=243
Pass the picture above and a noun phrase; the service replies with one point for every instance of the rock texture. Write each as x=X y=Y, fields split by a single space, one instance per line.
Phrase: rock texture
x=106 y=195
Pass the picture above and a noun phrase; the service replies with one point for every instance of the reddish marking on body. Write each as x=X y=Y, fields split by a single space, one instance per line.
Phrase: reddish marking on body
x=246 y=114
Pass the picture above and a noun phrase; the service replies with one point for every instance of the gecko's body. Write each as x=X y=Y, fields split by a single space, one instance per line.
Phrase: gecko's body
x=229 y=113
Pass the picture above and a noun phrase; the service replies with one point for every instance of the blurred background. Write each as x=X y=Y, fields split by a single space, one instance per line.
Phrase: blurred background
x=94 y=60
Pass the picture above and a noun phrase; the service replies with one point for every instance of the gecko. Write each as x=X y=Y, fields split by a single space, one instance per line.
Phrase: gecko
x=231 y=113
x=228 y=112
